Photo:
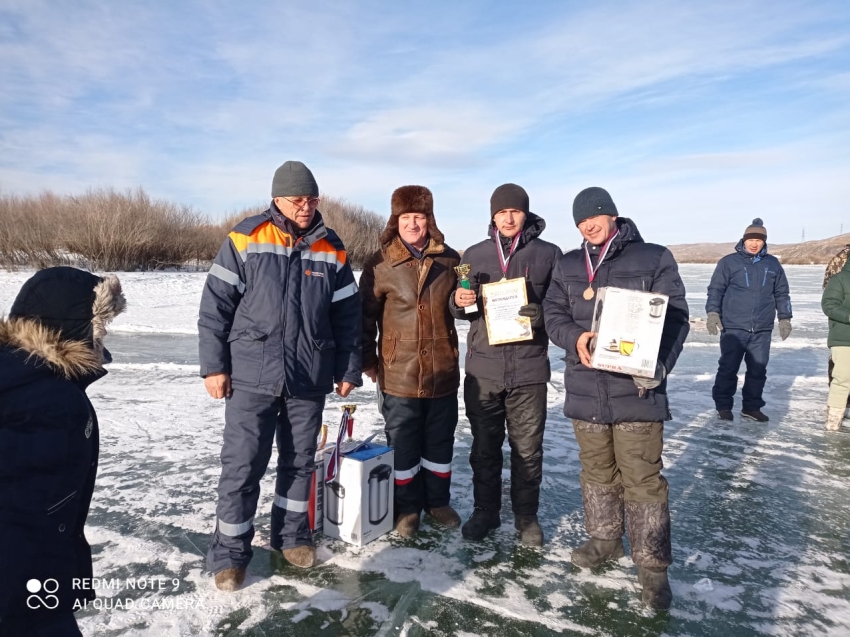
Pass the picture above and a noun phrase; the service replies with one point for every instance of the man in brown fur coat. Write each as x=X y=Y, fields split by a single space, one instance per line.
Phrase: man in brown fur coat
x=51 y=350
x=405 y=288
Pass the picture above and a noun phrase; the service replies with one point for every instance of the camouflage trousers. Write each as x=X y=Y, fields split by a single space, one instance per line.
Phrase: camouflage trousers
x=621 y=482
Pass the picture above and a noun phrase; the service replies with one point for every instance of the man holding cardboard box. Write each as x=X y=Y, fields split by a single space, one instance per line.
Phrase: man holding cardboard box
x=618 y=418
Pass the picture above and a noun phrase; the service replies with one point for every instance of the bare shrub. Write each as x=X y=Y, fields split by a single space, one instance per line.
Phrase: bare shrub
x=28 y=231
x=128 y=231
x=358 y=228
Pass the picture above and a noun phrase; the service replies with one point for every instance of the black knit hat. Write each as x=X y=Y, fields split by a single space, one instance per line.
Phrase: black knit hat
x=508 y=196
x=756 y=230
x=592 y=202
x=294 y=179
x=61 y=298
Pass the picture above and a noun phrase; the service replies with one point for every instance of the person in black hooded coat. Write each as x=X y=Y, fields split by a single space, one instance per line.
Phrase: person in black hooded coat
x=618 y=419
x=51 y=350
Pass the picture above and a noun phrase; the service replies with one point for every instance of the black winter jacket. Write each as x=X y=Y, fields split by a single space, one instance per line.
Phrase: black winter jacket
x=601 y=396
x=748 y=291
x=48 y=461
x=516 y=364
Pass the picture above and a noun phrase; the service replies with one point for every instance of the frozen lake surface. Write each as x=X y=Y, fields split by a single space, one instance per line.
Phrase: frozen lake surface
x=760 y=512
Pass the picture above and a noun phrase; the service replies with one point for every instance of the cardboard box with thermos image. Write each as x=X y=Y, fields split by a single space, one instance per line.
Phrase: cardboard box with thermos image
x=356 y=505
x=628 y=326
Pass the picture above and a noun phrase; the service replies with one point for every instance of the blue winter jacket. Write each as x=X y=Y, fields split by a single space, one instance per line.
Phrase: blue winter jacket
x=749 y=291
x=281 y=313
x=601 y=396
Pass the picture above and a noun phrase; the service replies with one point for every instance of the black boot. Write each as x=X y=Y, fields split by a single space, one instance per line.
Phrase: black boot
x=595 y=551
x=754 y=414
x=656 y=588
x=530 y=533
x=725 y=414
x=481 y=522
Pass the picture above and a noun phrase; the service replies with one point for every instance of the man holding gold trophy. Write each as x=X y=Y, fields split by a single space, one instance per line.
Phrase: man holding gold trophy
x=502 y=282
x=618 y=418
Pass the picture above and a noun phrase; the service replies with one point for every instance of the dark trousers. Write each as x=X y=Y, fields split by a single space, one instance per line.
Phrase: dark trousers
x=251 y=422
x=754 y=349
x=490 y=407
x=421 y=432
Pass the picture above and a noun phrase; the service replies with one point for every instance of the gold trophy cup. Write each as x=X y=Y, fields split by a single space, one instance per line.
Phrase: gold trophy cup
x=463 y=272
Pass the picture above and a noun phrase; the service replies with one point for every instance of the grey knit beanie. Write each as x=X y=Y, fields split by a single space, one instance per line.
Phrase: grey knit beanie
x=294 y=179
x=592 y=202
x=756 y=230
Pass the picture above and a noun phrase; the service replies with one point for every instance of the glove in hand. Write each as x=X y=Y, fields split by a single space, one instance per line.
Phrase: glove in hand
x=651 y=383
x=784 y=328
x=713 y=324
x=534 y=312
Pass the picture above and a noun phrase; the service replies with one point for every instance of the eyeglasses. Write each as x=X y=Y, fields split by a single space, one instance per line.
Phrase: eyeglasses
x=301 y=202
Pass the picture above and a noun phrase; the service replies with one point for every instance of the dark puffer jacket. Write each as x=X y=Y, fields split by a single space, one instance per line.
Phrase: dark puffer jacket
x=748 y=291
x=408 y=299
x=607 y=397
x=515 y=364
x=49 y=442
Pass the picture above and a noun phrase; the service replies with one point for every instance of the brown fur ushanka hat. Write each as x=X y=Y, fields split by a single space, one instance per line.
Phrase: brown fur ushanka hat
x=411 y=199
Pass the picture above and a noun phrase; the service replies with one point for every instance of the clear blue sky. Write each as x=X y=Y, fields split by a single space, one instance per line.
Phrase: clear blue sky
x=696 y=116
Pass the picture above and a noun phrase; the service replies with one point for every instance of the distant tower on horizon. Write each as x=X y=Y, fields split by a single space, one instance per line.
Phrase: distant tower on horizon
x=804 y=235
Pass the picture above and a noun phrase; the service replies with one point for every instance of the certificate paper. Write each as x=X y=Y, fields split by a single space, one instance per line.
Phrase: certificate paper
x=502 y=301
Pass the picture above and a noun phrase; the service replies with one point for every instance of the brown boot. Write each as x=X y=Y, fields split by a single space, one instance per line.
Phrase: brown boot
x=446 y=516
x=300 y=556
x=230 y=579
x=407 y=524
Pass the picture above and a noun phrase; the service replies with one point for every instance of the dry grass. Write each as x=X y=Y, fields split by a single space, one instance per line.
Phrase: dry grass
x=115 y=231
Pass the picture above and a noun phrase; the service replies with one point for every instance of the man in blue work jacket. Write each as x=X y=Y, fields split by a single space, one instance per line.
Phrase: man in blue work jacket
x=280 y=323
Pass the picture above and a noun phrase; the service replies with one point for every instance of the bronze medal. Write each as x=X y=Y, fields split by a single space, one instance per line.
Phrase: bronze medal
x=588 y=293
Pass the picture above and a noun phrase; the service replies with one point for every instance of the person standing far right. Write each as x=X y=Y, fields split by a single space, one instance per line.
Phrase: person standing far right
x=748 y=290
x=836 y=305
x=835 y=265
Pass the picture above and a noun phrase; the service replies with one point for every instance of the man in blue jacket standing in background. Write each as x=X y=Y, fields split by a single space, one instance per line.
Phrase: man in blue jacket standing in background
x=747 y=291
x=279 y=325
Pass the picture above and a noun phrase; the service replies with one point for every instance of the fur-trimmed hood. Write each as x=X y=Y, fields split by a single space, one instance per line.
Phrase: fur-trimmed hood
x=70 y=359
x=60 y=316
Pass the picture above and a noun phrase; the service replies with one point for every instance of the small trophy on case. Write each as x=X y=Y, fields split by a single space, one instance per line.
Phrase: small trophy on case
x=463 y=273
